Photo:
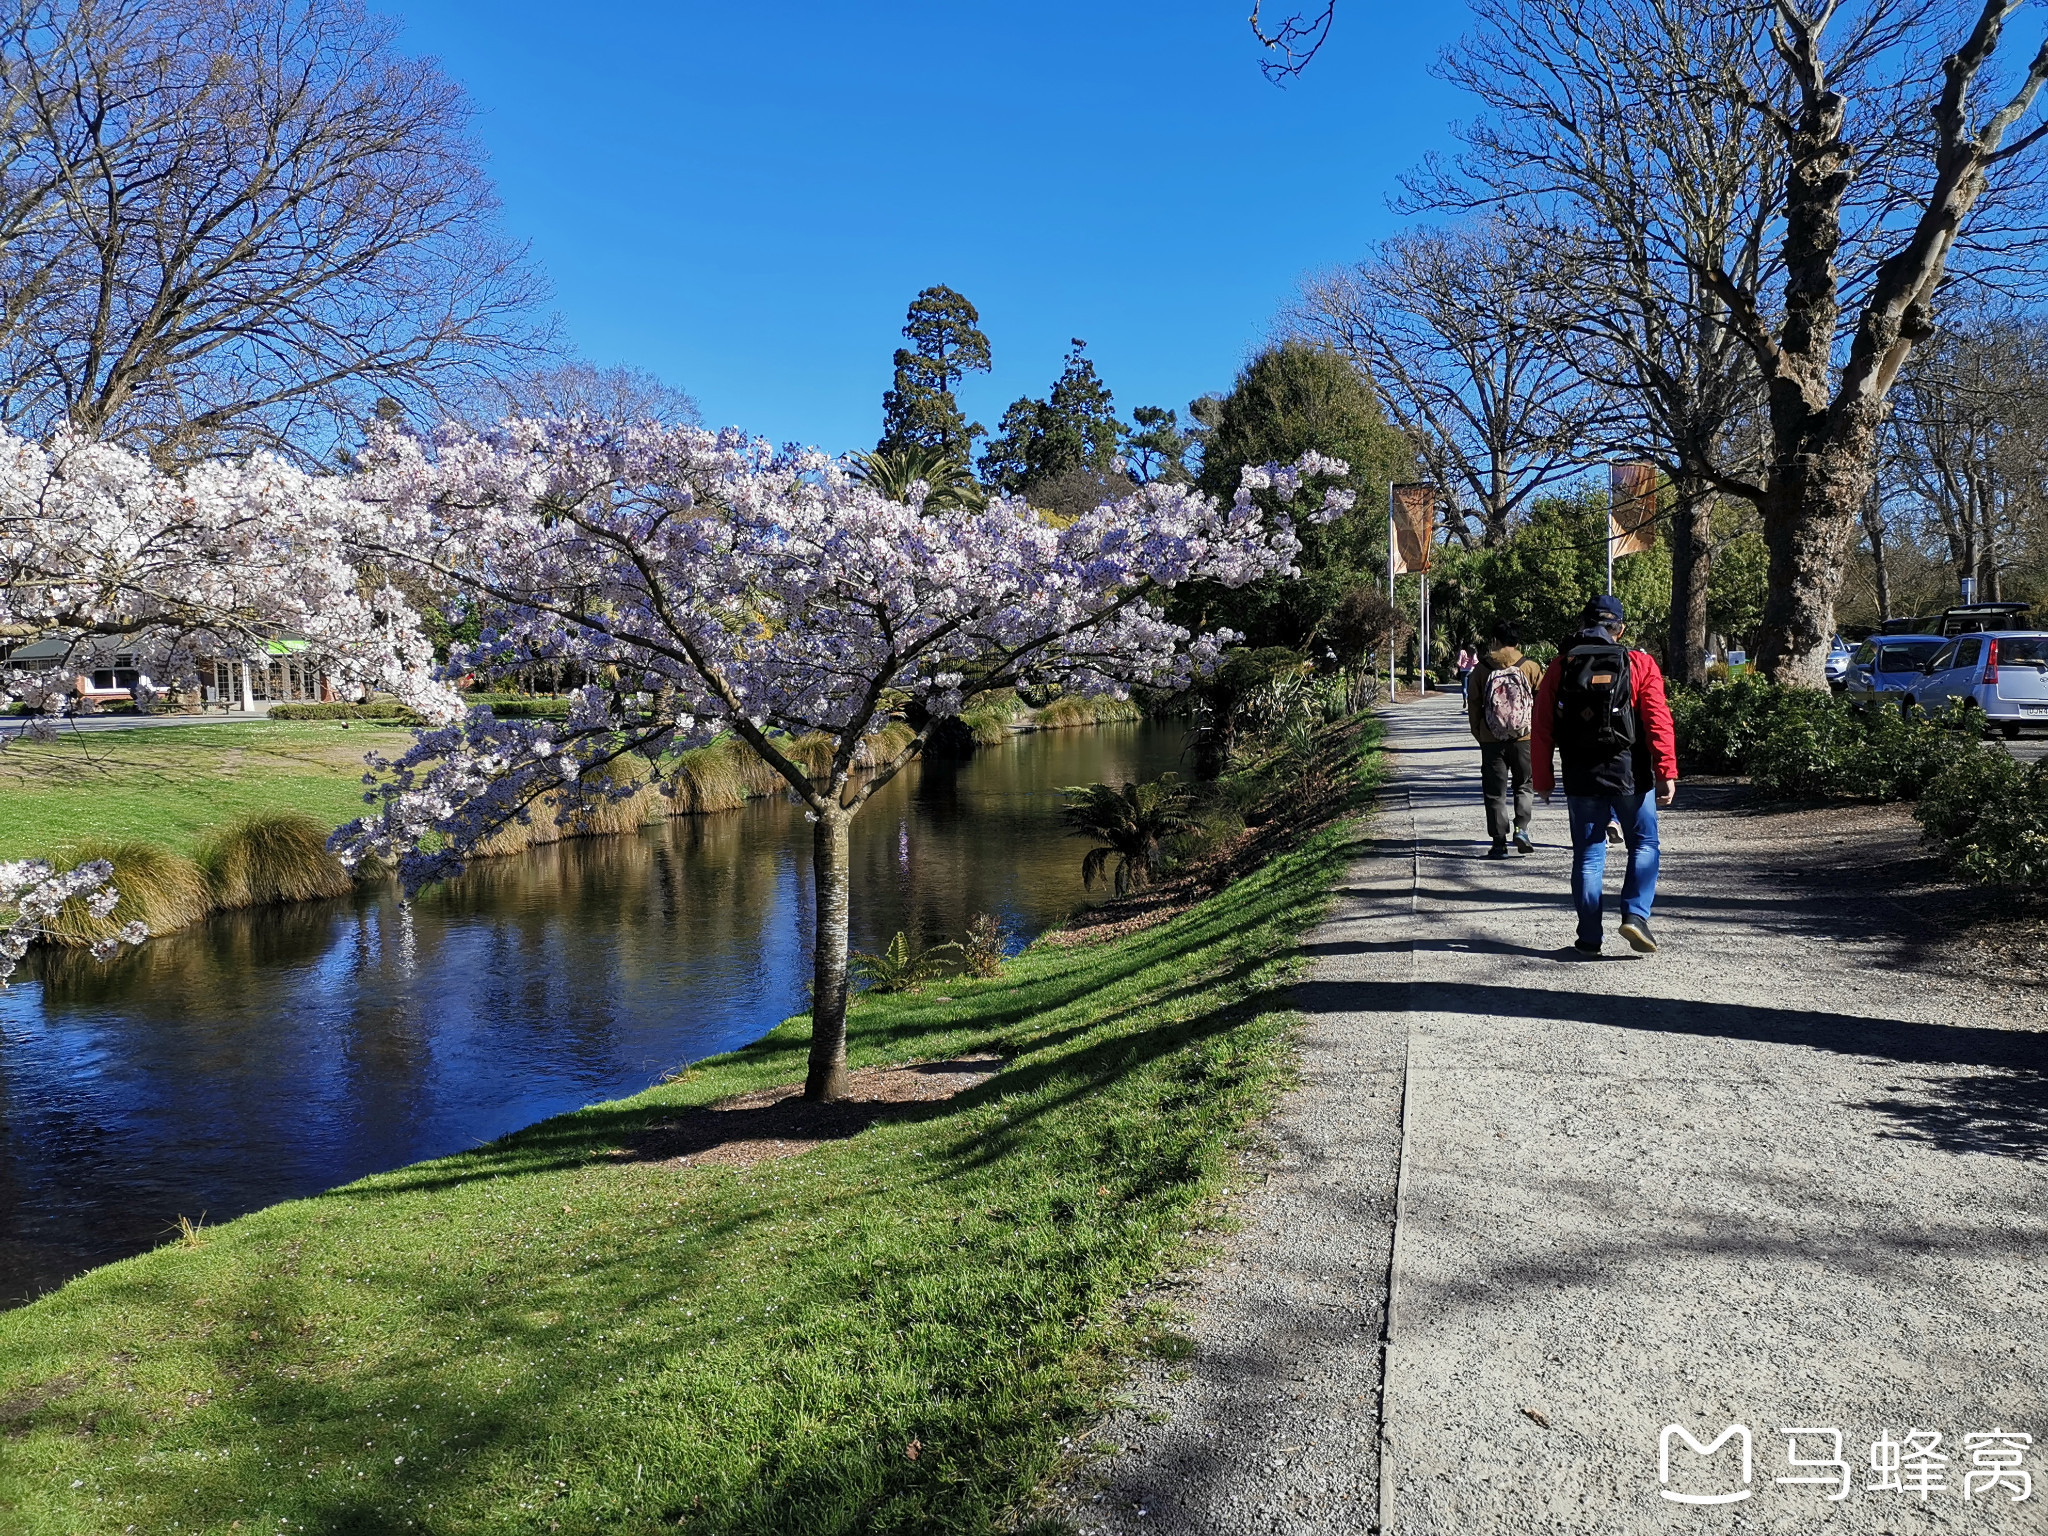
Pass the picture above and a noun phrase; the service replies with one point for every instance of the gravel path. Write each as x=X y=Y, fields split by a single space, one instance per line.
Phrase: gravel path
x=1787 y=1173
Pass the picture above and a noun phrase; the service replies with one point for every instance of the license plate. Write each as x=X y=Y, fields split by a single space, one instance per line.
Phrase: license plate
x=2034 y=709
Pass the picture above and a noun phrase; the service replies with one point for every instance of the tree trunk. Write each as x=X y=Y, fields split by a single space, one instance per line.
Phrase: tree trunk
x=1692 y=554
x=831 y=866
x=1873 y=528
x=1810 y=505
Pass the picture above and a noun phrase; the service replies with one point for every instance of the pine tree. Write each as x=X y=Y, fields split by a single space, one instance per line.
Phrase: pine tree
x=946 y=344
x=1074 y=428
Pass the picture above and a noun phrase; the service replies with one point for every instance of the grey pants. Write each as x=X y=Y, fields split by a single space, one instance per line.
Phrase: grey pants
x=1503 y=775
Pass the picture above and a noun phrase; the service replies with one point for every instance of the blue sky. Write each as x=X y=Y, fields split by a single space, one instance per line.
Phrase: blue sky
x=743 y=199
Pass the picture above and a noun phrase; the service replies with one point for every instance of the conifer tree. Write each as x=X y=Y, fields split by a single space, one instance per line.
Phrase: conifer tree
x=946 y=344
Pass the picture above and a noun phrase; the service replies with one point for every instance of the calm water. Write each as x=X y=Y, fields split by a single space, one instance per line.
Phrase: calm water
x=265 y=1055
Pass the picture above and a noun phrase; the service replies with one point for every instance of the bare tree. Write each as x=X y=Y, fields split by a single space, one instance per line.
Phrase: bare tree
x=1469 y=336
x=584 y=389
x=232 y=223
x=1883 y=128
x=1968 y=443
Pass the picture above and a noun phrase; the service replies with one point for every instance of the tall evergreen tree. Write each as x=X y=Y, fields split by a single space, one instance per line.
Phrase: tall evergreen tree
x=1074 y=428
x=1289 y=398
x=946 y=344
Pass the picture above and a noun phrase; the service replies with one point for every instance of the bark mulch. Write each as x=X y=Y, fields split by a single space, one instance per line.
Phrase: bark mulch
x=777 y=1122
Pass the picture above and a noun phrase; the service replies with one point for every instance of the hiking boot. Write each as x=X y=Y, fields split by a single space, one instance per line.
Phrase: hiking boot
x=1497 y=851
x=1637 y=931
x=1586 y=946
x=1522 y=843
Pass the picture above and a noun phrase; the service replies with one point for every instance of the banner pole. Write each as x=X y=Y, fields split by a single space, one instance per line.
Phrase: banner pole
x=1392 y=649
x=1610 y=530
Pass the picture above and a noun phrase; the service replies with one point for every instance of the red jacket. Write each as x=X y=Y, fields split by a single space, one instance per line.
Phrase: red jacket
x=1646 y=686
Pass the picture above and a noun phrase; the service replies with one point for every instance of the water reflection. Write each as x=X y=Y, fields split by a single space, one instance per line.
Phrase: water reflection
x=272 y=1053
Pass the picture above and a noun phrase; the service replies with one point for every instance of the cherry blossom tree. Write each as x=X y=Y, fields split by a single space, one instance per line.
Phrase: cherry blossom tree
x=720 y=587
x=31 y=895
x=217 y=559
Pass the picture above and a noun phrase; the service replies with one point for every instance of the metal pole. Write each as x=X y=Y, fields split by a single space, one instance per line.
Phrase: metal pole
x=1610 y=530
x=1422 y=637
x=1392 y=649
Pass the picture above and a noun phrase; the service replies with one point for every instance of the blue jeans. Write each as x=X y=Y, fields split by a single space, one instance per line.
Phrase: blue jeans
x=1589 y=817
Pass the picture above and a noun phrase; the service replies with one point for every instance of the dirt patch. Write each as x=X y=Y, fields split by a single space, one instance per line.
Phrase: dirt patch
x=768 y=1123
x=15 y=1410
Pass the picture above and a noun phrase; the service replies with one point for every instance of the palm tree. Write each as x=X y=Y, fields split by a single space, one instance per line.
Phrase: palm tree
x=1130 y=824
x=949 y=484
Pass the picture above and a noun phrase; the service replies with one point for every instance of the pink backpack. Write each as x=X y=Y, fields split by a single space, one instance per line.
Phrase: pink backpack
x=1510 y=704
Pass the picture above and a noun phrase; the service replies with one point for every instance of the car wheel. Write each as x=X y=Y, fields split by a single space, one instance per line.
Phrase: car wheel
x=1905 y=706
x=2010 y=730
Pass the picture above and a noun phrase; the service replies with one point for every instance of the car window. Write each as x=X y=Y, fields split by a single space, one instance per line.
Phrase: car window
x=2019 y=649
x=1943 y=659
x=1865 y=654
x=1968 y=653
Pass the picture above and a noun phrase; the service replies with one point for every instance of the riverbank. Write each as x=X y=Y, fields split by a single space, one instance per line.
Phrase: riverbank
x=167 y=807
x=569 y=1329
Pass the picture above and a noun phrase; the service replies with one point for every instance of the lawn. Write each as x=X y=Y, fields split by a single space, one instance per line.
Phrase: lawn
x=888 y=1333
x=174 y=785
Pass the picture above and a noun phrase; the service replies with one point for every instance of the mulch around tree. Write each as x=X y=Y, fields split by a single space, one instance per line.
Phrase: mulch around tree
x=776 y=1122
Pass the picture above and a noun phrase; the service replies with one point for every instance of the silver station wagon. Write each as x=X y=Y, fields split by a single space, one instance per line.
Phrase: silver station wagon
x=2004 y=671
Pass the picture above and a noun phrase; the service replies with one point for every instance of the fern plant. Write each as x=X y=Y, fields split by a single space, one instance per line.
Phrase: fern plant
x=898 y=969
x=1129 y=824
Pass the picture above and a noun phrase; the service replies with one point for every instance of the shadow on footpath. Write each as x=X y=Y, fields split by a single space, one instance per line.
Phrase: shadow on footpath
x=2001 y=1109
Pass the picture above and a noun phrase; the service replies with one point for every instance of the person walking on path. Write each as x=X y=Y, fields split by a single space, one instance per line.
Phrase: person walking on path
x=1502 y=713
x=1601 y=707
x=1466 y=662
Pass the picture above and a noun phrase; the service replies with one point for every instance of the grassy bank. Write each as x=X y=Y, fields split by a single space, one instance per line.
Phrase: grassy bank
x=888 y=1333
x=176 y=786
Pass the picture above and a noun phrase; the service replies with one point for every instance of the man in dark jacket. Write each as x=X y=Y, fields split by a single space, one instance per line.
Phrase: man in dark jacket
x=1601 y=707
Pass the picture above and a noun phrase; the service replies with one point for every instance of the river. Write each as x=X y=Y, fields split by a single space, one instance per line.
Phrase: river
x=270 y=1054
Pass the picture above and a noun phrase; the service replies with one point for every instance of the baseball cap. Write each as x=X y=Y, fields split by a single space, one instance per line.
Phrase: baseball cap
x=1604 y=609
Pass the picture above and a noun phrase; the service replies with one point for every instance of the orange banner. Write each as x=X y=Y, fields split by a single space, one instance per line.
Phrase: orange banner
x=1411 y=526
x=1632 y=508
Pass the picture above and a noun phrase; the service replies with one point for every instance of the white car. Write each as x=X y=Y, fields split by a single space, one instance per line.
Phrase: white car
x=2005 y=672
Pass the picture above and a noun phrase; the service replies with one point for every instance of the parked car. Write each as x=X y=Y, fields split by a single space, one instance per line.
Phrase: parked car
x=1888 y=664
x=2005 y=672
x=1838 y=662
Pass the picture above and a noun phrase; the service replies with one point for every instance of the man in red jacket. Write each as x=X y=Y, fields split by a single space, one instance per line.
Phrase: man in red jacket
x=1601 y=707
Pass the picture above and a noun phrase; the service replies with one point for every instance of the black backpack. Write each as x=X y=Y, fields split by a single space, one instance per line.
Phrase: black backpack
x=1596 y=715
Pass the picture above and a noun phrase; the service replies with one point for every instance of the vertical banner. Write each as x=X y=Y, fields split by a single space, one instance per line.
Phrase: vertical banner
x=1631 y=508
x=1411 y=528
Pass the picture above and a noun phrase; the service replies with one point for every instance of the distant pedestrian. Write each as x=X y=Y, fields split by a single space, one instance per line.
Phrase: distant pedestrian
x=1601 y=707
x=1500 y=704
x=1466 y=662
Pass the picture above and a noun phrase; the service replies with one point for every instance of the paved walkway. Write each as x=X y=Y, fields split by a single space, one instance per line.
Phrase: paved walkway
x=1774 y=1176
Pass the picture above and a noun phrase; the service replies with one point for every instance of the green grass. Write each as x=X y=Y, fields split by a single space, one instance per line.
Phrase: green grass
x=542 y=1336
x=175 y=786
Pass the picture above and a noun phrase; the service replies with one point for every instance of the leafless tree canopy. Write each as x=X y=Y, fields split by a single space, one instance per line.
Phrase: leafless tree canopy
x=232 y=223
x=583 y=389
x=1472 y=337
x=1827 y=171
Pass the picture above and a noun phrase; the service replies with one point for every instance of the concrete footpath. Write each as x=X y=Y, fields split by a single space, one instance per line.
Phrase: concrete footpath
x=1775 y=1178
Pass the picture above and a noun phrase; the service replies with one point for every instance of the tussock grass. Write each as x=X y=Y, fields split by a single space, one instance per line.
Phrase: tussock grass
x=268 y=857
x=553 y=1335
x=165 y=890
x=1097 y=709
x=988 y=719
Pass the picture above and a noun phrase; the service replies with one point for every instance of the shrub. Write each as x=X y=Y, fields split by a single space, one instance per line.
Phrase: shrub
x=1719 y=727
x=269 y=857
x=982 y=951
x=1991 y=816
x=160 y=889
x=390 y=713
